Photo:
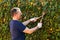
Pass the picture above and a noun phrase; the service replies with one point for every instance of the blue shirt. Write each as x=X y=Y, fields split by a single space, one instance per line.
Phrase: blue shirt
x=16 y=29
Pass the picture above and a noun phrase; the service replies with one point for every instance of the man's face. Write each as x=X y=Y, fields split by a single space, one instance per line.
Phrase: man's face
x=19 y=15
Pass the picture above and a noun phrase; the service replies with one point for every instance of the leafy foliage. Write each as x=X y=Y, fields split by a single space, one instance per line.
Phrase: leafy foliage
x=32 y=8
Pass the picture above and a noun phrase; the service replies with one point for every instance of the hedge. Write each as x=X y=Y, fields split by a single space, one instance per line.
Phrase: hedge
x=30 y=9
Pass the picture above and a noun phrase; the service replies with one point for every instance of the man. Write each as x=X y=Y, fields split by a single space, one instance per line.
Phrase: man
x=19 y=29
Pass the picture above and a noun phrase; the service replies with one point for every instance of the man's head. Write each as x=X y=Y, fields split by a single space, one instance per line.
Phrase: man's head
x=16 y=13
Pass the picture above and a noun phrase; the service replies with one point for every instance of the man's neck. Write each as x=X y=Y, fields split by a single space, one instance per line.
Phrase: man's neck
x=14 y=18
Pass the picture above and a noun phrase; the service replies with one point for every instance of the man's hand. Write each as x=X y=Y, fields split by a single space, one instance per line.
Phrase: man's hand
x=34 y=19
x=39 y=25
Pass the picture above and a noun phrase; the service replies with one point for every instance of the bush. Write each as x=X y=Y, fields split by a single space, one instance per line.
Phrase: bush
x=33 y=8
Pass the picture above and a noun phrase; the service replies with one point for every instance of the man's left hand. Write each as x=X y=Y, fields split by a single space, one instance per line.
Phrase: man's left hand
x=34 y=19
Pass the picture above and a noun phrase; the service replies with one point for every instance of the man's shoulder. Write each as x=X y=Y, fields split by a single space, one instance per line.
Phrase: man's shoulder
x=15 y=22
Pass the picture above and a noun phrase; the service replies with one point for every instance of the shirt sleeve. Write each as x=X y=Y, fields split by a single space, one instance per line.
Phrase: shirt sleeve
x=21 y=27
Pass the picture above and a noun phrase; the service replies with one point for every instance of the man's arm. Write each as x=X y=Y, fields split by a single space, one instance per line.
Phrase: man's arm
x=26 y=22
x=31 y=20
x=30 y=31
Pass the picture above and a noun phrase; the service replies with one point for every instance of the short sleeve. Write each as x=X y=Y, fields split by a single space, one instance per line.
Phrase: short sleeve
x=21 y=27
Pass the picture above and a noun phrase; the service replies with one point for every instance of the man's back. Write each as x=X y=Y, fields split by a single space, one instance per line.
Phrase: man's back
x=16 y=29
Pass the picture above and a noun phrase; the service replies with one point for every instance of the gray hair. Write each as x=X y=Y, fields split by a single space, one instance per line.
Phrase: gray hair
x=14 y=10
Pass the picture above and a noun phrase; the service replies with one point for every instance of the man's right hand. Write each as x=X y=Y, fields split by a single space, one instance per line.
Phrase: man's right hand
x=39 y=25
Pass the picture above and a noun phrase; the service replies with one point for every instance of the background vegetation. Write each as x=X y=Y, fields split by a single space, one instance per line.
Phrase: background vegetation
x=32 y=8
